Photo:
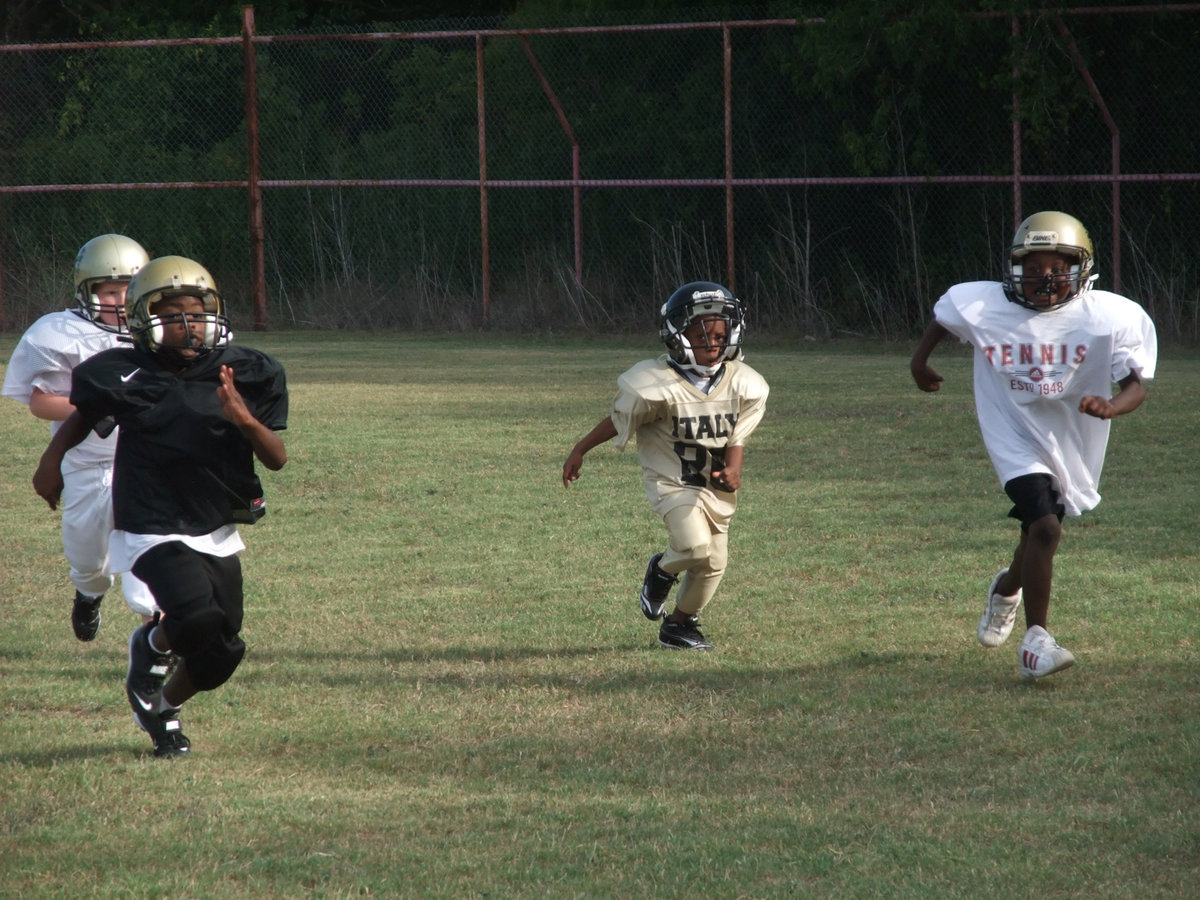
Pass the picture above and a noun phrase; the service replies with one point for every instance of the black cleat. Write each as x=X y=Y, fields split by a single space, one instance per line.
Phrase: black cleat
x=655 y=587
x=144 y=681
x=169 y=739
x=687 y=636
x=85 y=616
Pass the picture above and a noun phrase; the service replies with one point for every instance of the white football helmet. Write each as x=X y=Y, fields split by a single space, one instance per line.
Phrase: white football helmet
x=1056 y=232
x=162 y=279
x=109 y=257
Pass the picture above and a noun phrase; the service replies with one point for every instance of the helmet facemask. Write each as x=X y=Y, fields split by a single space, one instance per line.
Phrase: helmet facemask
x=1049 y=232
x=215 y=327
x=91 y=305
x=165 y=303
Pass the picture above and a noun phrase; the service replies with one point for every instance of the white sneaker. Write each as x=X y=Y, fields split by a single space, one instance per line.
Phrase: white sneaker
x=998 y=617
x=1039 y=654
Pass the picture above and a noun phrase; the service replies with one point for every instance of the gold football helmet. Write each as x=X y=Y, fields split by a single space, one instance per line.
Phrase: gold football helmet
x=1055 y=232
x=109 y=257
x=165 y=278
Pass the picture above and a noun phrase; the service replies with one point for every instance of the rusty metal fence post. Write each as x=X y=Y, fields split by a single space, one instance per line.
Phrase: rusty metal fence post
x=258 y=280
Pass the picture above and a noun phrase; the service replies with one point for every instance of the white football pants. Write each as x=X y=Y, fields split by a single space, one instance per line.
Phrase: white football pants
x=87 y=522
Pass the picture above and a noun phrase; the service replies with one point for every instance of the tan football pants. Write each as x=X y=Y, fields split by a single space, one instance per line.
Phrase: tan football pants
x=697 y=550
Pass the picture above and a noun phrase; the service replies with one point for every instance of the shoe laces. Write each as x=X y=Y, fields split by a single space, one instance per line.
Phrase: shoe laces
x=1000 y=605
x=1042 y=643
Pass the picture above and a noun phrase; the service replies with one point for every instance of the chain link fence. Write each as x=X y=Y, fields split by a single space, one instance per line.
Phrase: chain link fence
x=571 y=177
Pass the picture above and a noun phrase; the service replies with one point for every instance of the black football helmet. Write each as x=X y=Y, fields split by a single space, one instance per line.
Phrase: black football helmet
x=694 y=300
x=1056 y=232
x=162 y=279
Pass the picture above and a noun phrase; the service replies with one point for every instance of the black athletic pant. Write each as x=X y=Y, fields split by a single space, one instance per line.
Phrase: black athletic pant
x=201 y=600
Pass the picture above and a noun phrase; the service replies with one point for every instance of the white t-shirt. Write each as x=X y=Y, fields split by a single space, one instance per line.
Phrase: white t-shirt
x=44 y=359
x=124 y=547
x=1033 y=368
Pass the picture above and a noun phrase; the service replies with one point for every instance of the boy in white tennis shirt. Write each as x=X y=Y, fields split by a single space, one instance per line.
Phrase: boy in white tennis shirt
x=1048 y=349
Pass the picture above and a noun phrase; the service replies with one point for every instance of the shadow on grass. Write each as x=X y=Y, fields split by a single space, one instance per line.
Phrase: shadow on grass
x=57 y=755
x=961 y=687
x=641 y=664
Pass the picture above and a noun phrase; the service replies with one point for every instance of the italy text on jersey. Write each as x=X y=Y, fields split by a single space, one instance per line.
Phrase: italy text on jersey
x=698 y=428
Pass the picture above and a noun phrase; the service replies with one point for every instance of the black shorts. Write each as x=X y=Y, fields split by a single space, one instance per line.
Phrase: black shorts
x=1034 y=497
x=201 y=600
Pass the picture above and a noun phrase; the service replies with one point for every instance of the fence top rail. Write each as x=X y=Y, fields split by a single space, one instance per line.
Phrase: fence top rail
x=799 y=181
x=463 y=34
x=576 y=29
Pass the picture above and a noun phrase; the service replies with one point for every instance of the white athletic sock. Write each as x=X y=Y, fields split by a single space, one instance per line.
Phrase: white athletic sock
x=162 y=705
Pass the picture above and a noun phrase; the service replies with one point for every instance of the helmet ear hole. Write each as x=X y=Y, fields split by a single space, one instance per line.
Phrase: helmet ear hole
x=168 y=277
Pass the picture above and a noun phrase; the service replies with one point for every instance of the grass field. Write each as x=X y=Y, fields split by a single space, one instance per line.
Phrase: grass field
x=449 y=690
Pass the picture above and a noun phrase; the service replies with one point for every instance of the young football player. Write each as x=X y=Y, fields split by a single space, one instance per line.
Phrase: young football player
x=1047 y=350
x=692 y=410
x=39 y=375
x=194 y=414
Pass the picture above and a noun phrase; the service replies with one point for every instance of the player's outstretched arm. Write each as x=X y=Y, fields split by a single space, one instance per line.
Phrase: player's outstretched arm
x=267 y=444
x=1129 y=398
x=604 y=431
x=47 y=479
x=923 y=374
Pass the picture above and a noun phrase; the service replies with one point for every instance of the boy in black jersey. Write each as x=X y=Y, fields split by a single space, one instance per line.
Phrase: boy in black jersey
x=194 y=414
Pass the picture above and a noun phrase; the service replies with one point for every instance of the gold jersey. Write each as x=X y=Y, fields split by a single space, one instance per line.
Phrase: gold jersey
x=682 y=433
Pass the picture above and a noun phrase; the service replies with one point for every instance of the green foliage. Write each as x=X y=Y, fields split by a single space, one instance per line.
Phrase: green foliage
x=887 y=70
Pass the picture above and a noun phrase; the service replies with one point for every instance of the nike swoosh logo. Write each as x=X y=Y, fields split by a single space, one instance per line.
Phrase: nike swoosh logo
x=142 y=703
x=131 y=374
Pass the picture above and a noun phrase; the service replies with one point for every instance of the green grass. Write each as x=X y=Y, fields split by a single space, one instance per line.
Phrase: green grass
x=449 y=690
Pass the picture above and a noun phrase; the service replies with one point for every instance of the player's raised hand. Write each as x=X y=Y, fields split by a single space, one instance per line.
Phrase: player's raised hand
x=268 y=446
x=232 y=403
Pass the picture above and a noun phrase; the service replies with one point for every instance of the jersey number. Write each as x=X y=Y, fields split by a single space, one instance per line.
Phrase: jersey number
x=694 y=459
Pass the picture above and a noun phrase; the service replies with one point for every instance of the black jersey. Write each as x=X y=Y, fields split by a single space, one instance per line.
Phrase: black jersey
x=181 y=467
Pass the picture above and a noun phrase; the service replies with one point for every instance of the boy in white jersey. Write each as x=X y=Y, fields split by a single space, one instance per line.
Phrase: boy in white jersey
x=1048 y=349
x=692 y=411
x=39 y=375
